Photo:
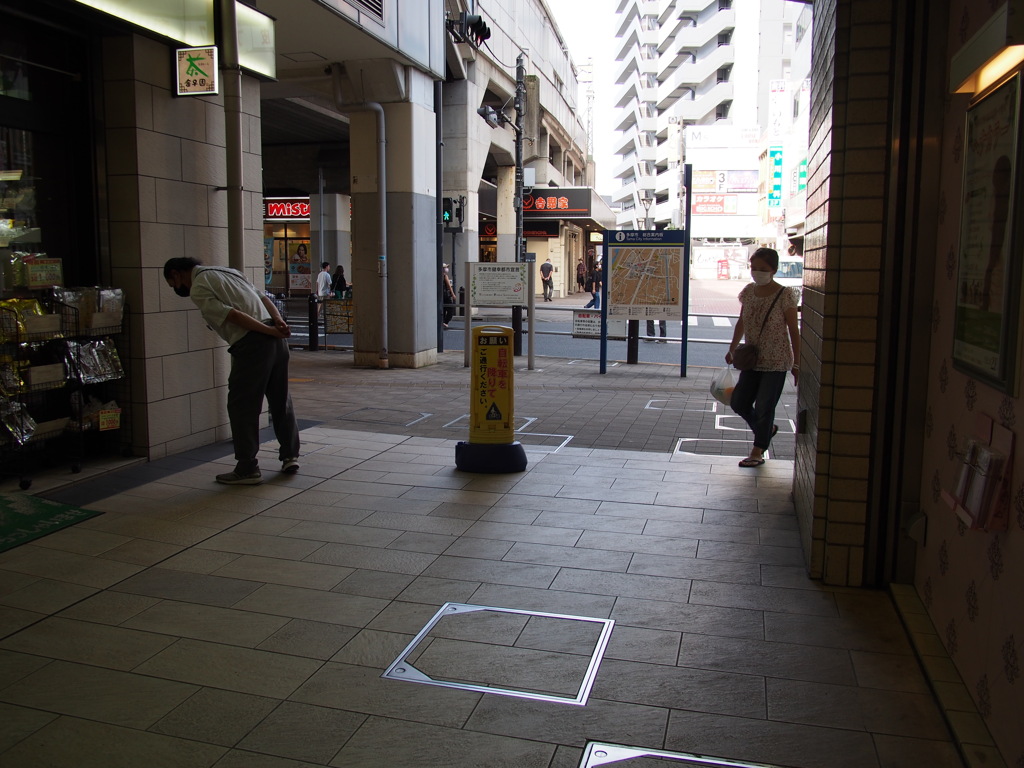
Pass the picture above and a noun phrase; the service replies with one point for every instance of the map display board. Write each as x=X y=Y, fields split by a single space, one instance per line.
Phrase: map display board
x=645 y=274
x=498 y=284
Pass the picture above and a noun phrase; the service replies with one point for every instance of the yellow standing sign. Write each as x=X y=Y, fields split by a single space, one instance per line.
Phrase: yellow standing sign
x=491 y=447
x=492 y=398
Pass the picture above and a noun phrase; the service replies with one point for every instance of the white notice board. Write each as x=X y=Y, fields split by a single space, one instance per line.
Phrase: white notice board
x=498 y=285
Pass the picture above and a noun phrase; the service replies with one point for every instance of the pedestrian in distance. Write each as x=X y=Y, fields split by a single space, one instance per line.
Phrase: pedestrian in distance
x=662 y=327
x=448 y=292
x=323 y=285
x=547 y=280
x=338 y=282
x=581 y=275
x=593 y=285
x=767 y=319
x=257 y=334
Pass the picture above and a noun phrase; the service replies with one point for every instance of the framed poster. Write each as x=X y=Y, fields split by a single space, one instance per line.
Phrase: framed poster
x=985 y=334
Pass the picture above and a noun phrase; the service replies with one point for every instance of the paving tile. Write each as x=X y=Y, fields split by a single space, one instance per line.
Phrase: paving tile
x=899 y=752
x=681 y=688
x=412 y=743
x=106 y=695
x=628 y=542
x=312 y=604
x=361 y=535
x=14 y=666
x=892 y=712
x=484 y=549
x=450 y=526
x=309 y=639
x=750 y=553
x=754 y=596
x=65 y=566
x=374 y=584
x=215 y=716
x=768 y=659
x=272 y=570
x=109 y=607
x=243 y=670
x=267 y=546
x=763 y=741
x=570 y=725
x=491 y=572
x=830 y=632
x=622 y=584
x=648 y=645
x=574 y=557
x=679 y=617
x=544 y=600
x=303 y=732
x=434 y=591
x=187 y=587
x=16 y=723
x=373 y=558
x=683 y=513
x=590 y=522
x=373 y=648
x=691 y=568
x=69 y=741
x=889 y=671
x=361 y=689
x=205 y=622
x=88 y=643
x=46 y=595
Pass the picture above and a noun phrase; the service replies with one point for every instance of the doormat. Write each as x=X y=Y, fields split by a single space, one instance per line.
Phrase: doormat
x=24 y=518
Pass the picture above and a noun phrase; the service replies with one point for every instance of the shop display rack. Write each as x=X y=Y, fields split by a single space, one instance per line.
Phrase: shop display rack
x=62 y=382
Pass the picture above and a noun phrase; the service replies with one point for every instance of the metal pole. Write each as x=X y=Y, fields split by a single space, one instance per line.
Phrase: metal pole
x=439 y=205
x=235 y=183
x=519 y=105
x=687 y=180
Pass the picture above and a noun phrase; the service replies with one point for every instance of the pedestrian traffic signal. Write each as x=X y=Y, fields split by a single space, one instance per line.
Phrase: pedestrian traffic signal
x=447 y=210
x=473 y=29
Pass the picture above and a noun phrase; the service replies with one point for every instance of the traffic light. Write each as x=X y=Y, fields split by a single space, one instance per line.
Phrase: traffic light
x=473 y=29
x=447 y=211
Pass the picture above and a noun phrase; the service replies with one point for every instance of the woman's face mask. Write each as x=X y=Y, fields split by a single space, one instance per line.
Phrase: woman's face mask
x=760 y=277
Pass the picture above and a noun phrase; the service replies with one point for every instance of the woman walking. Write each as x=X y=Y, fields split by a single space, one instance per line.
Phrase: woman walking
x=767 y=319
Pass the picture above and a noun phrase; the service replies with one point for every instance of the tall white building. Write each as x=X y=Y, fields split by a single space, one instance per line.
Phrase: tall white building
x=689 y=63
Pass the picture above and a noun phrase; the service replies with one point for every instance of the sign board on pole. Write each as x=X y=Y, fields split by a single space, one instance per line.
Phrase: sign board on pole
x=644 y=274
x=586 y=324
x=196 y=71
x=491 y=393
x=498 y=285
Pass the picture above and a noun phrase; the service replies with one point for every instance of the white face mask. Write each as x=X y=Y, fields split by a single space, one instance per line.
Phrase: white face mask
x=759 y=277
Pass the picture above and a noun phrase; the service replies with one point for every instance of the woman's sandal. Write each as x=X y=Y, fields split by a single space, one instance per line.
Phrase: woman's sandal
x=751 y=462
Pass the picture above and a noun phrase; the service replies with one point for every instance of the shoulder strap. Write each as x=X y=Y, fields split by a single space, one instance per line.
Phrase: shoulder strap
x=771 y=307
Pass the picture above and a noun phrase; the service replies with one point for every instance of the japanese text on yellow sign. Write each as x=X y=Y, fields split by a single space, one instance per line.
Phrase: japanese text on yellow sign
x=491 y=406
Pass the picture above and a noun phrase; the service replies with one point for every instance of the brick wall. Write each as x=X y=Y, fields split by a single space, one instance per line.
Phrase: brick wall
x=847 y=177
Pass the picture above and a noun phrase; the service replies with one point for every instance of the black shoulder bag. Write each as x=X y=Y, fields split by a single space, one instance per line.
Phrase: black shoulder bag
x=745 y=357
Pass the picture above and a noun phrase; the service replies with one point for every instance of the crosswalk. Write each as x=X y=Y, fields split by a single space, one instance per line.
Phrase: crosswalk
x=713 y=322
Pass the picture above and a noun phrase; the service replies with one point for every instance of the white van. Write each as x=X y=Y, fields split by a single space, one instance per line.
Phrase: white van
x=791 y=272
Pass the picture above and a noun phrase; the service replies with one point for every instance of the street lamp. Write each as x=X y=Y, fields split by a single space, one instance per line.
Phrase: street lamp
x=646 y=202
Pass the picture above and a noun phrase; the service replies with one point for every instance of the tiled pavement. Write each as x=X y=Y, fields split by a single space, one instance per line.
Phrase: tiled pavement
x=198 y=625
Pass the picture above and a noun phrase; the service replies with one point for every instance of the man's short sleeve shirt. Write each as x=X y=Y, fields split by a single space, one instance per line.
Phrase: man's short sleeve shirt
x=218 y=290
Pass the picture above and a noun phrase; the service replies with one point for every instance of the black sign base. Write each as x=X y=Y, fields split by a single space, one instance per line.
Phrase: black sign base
x=490 y=459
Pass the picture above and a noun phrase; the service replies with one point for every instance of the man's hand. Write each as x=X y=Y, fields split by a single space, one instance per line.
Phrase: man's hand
x=282 y=328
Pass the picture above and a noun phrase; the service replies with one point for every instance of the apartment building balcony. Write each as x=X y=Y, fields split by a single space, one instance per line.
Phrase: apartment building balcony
x=692 y=76
x=704 y=104
x=685 y=36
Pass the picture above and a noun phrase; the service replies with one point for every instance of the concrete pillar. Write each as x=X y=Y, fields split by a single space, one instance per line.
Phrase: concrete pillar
x=333 y=214
x=506 y=213
x=411 y=232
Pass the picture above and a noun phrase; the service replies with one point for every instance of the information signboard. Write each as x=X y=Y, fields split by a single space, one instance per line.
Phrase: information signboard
x=498 y=285
x=645 y=274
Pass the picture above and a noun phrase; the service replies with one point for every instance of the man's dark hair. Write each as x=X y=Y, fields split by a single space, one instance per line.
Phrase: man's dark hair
x=768 y=255
x=325 y=265
x=180 y=264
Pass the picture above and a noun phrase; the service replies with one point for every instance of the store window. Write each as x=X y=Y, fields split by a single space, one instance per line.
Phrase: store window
x=287 y=261
x=46 y=208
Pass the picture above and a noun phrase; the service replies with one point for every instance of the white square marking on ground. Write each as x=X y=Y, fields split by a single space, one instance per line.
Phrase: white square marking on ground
x=402 y=669
x=598 y=754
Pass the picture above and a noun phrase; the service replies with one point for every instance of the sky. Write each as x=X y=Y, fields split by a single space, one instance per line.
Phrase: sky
x=588 y=29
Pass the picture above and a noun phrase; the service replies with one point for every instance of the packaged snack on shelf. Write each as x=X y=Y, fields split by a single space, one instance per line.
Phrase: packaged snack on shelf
x=11 y=381
x=17 y=421
x=12 y=317
x=82 y=300
x=95 y=361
